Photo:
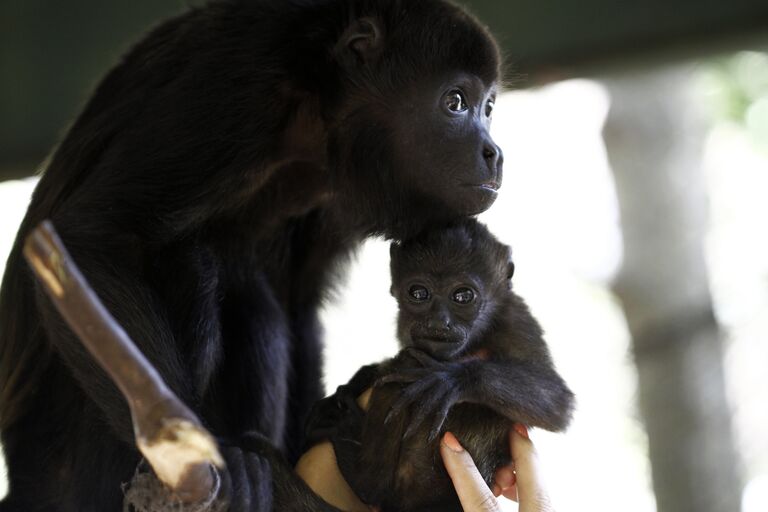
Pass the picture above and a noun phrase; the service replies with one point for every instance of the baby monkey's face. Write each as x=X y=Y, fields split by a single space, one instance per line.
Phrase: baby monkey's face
x=440 y=315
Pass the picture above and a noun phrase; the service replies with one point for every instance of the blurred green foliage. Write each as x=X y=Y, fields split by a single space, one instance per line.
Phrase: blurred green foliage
x=737 y=87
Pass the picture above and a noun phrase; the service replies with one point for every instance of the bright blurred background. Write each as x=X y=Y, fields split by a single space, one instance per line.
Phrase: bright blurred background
x=610 y=184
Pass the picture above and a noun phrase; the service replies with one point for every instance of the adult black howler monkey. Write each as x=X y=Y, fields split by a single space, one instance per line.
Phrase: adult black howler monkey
x=210 y=188
x=473 y=362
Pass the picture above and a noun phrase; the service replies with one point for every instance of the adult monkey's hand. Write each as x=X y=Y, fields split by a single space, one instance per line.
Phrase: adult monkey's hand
x=475 y=495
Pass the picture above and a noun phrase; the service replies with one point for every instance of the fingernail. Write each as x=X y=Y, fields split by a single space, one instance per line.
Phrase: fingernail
x=522 y=430
x=452 y=443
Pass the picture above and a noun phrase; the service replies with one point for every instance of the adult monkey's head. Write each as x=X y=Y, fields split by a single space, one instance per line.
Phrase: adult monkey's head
x=411 y=145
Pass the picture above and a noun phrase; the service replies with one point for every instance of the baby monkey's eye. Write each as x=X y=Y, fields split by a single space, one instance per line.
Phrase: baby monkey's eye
x=463 y=295
x=418 y=293
x=455 y=102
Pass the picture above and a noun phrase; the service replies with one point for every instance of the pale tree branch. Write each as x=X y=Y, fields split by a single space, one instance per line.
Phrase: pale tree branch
x=169 y=435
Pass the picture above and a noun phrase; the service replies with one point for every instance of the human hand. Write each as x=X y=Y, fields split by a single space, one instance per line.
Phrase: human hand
x=318 y=468
x=524 y=482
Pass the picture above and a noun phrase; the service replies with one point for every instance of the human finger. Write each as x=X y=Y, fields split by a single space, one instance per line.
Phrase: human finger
x=531 y=491
x=474 y=494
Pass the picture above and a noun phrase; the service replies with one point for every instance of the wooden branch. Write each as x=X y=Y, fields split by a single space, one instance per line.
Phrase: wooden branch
x=171 y=437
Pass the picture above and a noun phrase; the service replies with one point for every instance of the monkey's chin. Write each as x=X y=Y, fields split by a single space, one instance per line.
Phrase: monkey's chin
x=479 y=198
x=440 y=349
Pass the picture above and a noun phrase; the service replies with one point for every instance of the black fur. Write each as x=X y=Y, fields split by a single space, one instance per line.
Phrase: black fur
x=216 y=179
x=472 y=369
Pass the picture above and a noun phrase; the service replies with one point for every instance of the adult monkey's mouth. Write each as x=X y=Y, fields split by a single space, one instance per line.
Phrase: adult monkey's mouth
x=479 y=197
x=491 y=186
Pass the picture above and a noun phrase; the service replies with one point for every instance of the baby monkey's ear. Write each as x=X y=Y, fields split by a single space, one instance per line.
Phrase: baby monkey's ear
x=510 y=269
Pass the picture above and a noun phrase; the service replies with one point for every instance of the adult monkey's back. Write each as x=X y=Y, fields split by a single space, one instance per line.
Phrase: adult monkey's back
x=217 y=178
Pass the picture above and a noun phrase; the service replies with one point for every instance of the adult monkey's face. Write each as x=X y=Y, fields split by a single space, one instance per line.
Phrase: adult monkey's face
x=446 y=148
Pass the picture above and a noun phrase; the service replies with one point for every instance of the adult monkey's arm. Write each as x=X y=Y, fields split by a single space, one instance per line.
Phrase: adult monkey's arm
x=169 y=435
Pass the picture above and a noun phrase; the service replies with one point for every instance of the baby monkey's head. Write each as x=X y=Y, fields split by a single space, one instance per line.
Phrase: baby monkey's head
x=449 y=283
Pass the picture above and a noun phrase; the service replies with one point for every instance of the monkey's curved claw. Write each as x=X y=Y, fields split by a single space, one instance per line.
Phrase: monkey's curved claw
x=429 y=396
x=405 y=376
x=435 y=421
x=419 y=383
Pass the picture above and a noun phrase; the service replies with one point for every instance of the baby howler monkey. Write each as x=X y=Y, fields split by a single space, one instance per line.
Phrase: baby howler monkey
x=473 y=361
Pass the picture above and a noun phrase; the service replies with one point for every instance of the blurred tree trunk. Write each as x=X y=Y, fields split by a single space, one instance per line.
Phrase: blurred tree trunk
x=654 y=136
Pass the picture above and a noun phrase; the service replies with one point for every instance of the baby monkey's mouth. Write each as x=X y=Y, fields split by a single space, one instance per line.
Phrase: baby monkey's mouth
x=438 y=338
x=423 y=334
x=440 y=344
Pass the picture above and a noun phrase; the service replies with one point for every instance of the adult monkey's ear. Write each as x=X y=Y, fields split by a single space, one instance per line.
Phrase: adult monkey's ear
x=361 y=42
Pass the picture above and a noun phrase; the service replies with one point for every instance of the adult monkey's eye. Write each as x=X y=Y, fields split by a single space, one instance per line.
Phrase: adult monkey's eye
x=463 y=295
x=455 y=102
x=489 y=107
x=418 y=293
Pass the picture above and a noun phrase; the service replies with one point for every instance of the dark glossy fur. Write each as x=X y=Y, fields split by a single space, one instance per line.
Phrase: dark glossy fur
x=495 y=372
x=209 y=191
